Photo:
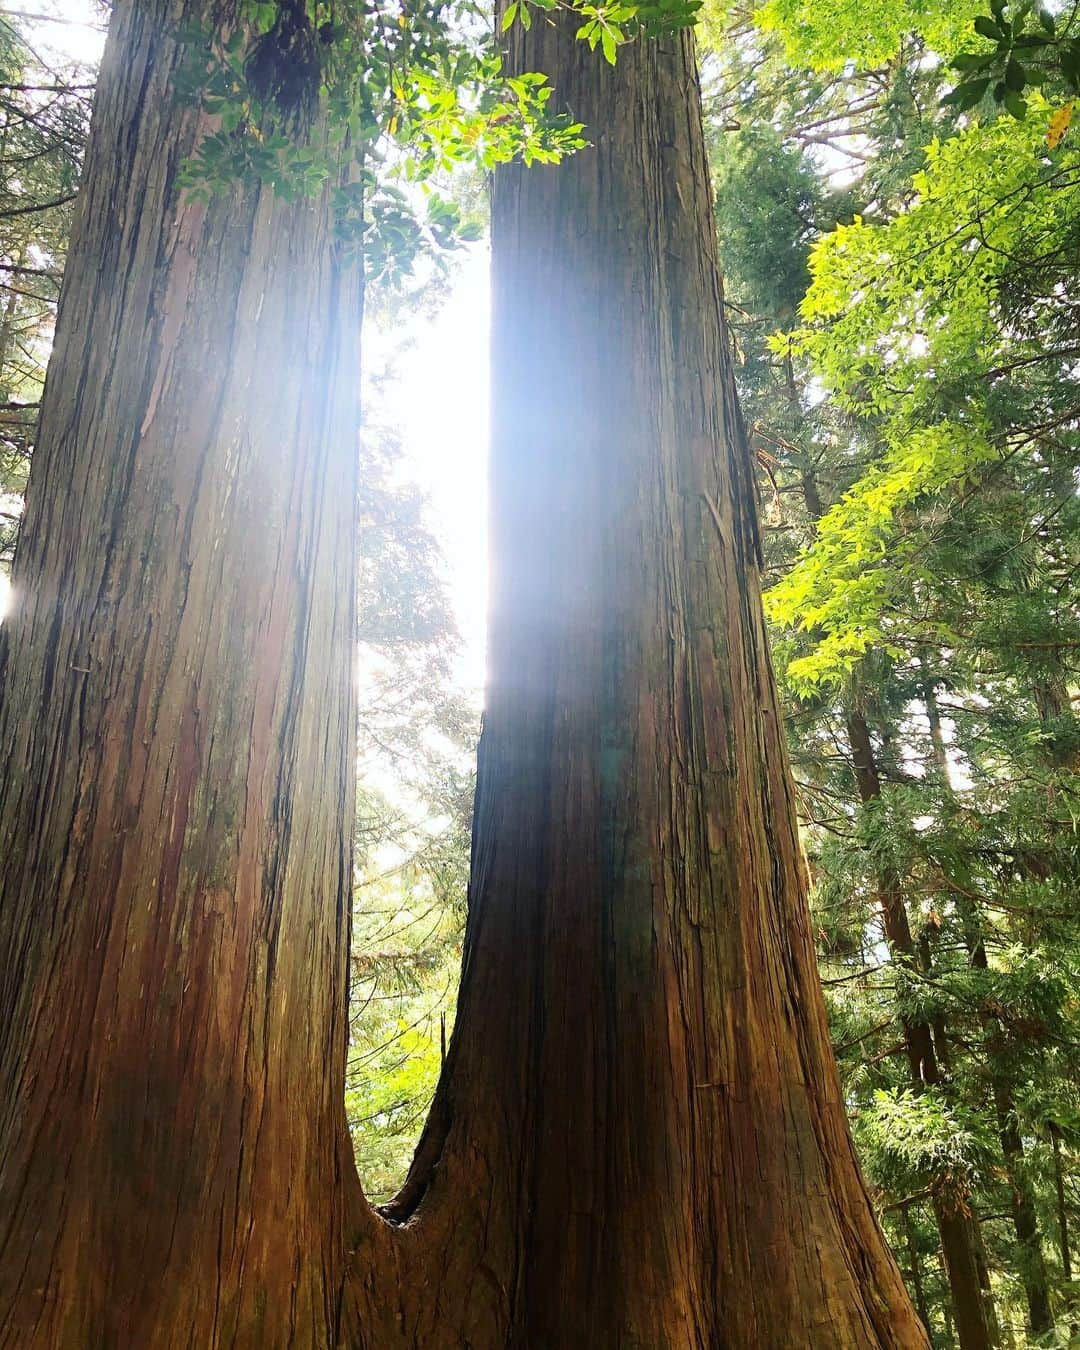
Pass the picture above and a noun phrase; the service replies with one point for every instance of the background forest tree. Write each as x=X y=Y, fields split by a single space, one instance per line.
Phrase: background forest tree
x=901 y=284
x=904 y=285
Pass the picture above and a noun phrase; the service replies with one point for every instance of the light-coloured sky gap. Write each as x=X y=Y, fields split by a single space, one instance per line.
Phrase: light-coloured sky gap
x=438 y=403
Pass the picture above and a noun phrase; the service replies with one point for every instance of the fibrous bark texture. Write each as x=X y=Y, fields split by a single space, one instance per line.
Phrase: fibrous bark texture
x=176 y=735
x=640 y=1084
x=639 y=1140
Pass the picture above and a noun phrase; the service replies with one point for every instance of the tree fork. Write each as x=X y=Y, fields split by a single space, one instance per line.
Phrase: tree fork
x=639 y=1138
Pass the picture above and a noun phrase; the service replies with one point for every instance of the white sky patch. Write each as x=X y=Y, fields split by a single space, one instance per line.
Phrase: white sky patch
x=73 y=30
x=438 y=404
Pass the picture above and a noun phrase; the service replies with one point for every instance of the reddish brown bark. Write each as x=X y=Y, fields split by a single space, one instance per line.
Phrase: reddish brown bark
x=176 y=735
x=640 y=1075
x=639 y=1139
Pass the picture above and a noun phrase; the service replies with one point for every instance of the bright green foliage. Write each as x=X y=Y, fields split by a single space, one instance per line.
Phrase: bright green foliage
x=848 y=586
x=913 y=1136
x=913 y=326
x=609 y=26
x=1031 y=48
x=900 y=298
x=831 y=34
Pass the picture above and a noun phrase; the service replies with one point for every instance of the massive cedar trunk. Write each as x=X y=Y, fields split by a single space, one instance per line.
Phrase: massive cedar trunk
x=176 y=740
x=640 y=1091
x=639 y=1139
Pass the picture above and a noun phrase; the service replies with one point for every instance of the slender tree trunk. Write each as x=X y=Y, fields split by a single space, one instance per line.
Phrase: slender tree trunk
x=7 y=330
x=1022 y=1204
x=959 y=1239
x=1062 y=1208
x=638 y=1139
x=1021 y=1193
x=937 y=1022
x=1050 y=694
x=915 y=1263
x=992 y=1319
x=946 y=1308
x=1063 y=1226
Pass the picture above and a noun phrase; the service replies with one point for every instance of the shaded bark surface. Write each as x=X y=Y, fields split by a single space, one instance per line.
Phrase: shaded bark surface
x=639 y=1139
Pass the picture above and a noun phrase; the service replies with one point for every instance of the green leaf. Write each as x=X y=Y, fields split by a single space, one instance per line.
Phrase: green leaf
x=610 y=46
x=1015 y=75
x=966 y=95
x=987 y=28
x=509 y=15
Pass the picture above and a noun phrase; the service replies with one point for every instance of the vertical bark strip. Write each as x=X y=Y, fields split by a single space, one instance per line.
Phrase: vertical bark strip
x=176 y=730
x=640 y=1084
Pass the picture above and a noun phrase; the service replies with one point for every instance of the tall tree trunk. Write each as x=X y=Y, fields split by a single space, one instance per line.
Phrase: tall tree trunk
x=1063 y=1225
x=1021 y=1203
x=640 y=1071
x=959 y=1239
x=915 y=1262
x=1021 y=1192
x=639 y=1139
x=1062 y=1208
x=1050 y=694
x=7 y=329
x=177 y=739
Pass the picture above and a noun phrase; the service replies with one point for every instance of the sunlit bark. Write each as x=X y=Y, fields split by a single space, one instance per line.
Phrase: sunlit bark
x=176 y=734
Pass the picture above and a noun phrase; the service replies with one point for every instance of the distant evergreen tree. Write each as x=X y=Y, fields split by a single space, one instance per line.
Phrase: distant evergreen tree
x=917 y=440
